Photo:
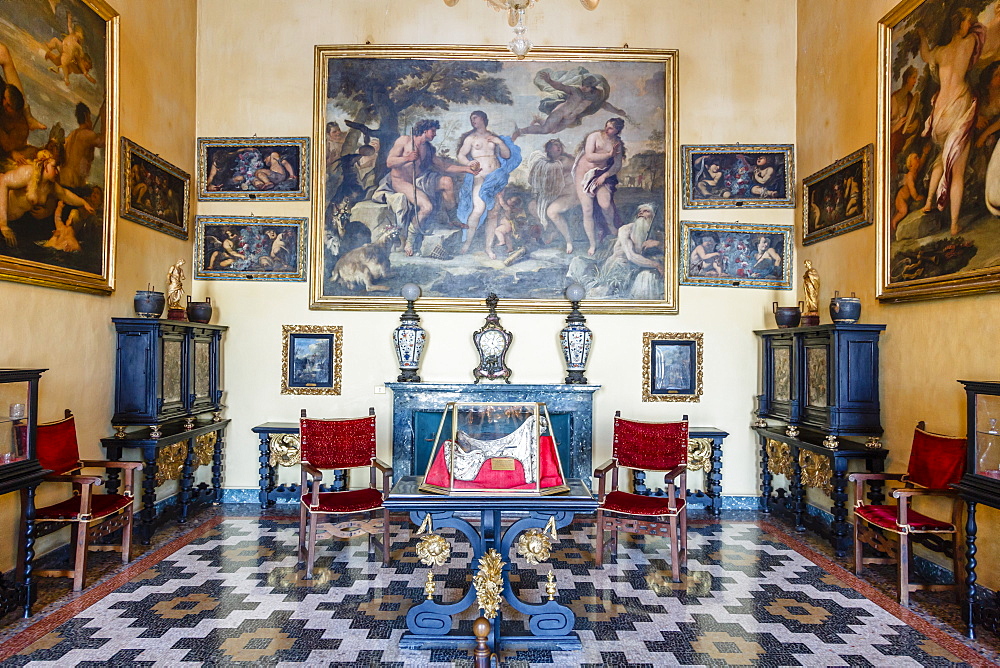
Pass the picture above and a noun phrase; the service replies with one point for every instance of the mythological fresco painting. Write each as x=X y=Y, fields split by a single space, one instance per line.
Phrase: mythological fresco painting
x=474 y=173
x=938 y=161
x=58 y=130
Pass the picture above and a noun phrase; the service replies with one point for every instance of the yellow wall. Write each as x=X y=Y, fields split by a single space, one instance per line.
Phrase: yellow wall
x=70 y=333
x=928 y=345
x=255 y=76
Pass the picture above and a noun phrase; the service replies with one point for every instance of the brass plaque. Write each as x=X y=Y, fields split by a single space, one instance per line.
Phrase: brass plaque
x=502 y=463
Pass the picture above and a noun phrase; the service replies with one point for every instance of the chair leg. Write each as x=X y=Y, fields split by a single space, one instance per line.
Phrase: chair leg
x=127 y=537
x=675 y=568
x=311 y=545
x=955 y=566
x=80 y=561
x=859 y=547
x=385 y=536
x=684 y=538
x=904 y=569
x=600 y=539
x=302 y=533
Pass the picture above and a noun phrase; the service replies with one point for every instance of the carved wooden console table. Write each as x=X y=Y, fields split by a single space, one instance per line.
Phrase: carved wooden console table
x=806 y=462
x=173 y=455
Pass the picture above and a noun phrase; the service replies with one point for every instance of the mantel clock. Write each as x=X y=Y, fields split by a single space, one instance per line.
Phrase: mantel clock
x=492 y=342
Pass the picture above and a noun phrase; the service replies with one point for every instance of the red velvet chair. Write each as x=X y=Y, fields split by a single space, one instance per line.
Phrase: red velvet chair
x=936 y=463
x=91 y=515
x=339 y=444
x=649 y=446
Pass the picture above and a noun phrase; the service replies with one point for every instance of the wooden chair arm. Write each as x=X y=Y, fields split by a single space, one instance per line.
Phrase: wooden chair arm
x=602 y=470
x=920 y=491
x=317 y=474
x=100 y=463
x=381 y=466
x=863 y=477
x=78 y=479
x=674 y=472
x=386 y=475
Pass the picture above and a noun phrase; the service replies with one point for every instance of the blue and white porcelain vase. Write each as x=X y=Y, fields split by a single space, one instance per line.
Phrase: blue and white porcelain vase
x=575 y=338
x=409 y=338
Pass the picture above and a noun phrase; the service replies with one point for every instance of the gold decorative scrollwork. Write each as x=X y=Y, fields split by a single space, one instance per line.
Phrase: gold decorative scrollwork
x=700 y=454
x=831 y=442
x=489 y=583
x=816 y=471
x=204 y=448
x=432 y=549
x=779 y=458
x=535 y=545
x=873 y=443
x=170 y=462
x=283 y=450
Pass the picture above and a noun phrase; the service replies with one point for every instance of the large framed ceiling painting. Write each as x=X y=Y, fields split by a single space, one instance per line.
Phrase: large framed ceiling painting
x=58 y=135
x=466 y=171
x=938 y=166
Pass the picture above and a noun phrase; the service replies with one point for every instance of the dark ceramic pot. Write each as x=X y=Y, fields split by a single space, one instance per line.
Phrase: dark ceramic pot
x=787 y=316
x=845 y=310
x=199 y=311
x=149 y=303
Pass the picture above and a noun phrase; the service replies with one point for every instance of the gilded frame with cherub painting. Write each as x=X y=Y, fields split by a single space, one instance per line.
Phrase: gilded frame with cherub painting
x=747 y=176
x=366 y=240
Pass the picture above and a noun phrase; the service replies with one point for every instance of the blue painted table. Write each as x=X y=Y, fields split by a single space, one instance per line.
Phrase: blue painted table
x=551 y=623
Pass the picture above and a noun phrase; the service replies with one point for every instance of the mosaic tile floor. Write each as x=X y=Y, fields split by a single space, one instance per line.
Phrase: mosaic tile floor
x=227 y=592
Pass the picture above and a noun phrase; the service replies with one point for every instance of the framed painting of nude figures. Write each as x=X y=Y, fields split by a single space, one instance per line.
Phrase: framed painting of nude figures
x=469 y=172
x=838 y=198
x=937 y=165
x=736 y=255
x=239 y=248
x=154 y=192
x=727 y=176
x=58 y=134
x=253 y=168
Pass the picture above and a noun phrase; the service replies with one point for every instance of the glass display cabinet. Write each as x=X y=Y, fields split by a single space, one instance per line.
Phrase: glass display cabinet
x=494 y=448
x=980 y=484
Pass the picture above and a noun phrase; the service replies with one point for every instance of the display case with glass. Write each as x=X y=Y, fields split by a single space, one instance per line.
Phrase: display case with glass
x=18 y=403
x=494 y=448
x=983 y=464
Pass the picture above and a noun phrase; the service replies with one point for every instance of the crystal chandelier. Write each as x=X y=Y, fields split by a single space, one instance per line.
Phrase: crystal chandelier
x=520 y=45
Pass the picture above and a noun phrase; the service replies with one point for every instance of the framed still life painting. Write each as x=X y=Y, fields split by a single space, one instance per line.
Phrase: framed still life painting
x=456 y=169
x=154 y=192
x=838 y=198
x=253 y=168
x=671 y=366
x=311 y=359
x=726 y=176
x=937 y=167
x=250 y=248
x=735 y=255
x=58 y=148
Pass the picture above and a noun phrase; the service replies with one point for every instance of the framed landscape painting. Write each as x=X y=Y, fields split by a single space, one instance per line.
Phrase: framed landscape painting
x=154 y=192
x=235 y=248
x=937 y=167
x=456 y=169
x=311 y=359
x=838 y=198
x=672 y=366
x=735 y=255
x=59 y=66
x=253 y=168
x=725 y=176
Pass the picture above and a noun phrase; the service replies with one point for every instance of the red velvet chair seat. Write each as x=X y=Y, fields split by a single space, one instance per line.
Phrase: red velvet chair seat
x=101 y=505
x=635 y=504
x=885 y=517
x=353 y=501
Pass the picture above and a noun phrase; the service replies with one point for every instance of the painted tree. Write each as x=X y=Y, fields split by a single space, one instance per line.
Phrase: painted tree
x=386 y=96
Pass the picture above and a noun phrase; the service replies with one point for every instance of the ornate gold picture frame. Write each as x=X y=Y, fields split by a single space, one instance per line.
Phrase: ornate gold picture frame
x=672 y=366
x=453 y=168
x=311 y=359
x=60 y=62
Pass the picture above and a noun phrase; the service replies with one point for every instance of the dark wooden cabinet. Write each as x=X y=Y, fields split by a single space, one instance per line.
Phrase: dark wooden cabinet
x=21 y=472
x=823 y=378
x=165 y=370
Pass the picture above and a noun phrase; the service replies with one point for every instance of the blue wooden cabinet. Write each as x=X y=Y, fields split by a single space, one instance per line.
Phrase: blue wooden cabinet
x=823 y=378
x=166 y=370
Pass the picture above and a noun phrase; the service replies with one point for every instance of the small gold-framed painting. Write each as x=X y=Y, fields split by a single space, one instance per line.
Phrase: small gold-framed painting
x=311 y=359
x=672 y=366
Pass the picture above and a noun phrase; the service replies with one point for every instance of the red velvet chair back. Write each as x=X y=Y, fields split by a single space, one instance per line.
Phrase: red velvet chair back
x=936 y=461
x=57 y=447
x=655 y=446
x=337 y=444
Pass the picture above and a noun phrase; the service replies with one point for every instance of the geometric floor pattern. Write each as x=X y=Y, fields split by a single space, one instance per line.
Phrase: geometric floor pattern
x=229 y=593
